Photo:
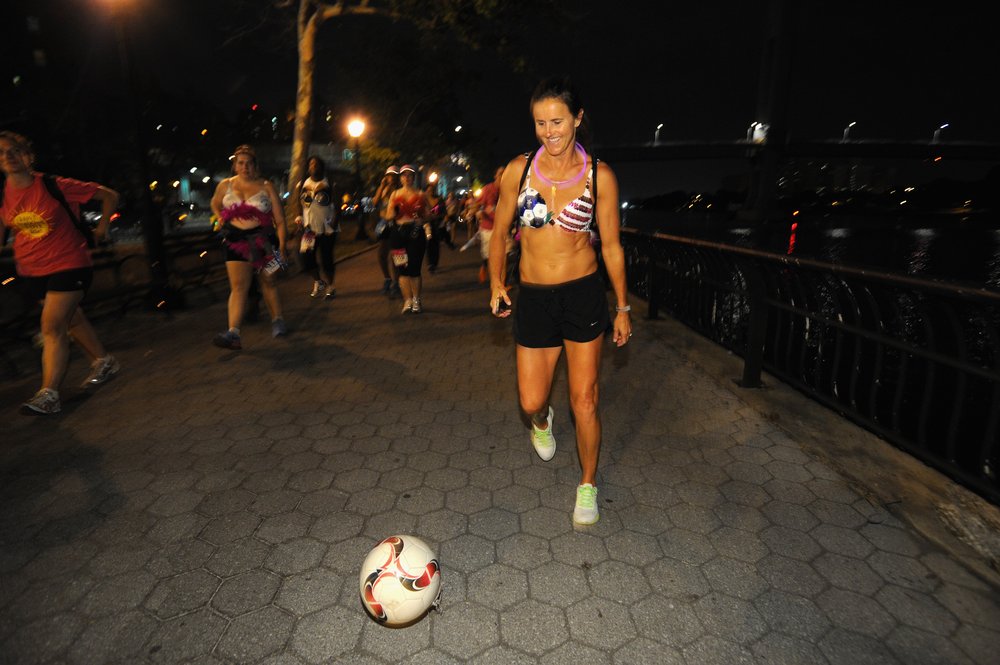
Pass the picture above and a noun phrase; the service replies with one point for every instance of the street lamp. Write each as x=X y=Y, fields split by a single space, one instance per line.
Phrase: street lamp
x=757 y=133
x=656 y=134
x=356 y=128
x=152 y=222
x=847 y=132
x=937 y=133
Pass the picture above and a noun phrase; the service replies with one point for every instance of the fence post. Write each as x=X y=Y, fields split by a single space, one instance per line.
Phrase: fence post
x=652 y=304
x=753 y=355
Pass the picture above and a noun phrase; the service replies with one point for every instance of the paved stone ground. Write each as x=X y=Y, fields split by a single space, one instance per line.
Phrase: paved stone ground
x=214 y=507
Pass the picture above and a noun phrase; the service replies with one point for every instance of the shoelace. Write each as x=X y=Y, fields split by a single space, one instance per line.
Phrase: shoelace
x=543 y=435
x=586 y=496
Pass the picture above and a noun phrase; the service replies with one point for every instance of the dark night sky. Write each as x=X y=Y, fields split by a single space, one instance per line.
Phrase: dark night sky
x=897 y=70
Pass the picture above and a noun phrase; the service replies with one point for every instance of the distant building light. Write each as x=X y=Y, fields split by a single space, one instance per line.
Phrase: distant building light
x=175 y=184
x=153 y=184
x=458 y=128
x=204 y=132
x=159 y=127
x=193 y=169
x=206 y=179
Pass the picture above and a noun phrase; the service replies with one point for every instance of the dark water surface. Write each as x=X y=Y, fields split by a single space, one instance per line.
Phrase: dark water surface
x=960 y=248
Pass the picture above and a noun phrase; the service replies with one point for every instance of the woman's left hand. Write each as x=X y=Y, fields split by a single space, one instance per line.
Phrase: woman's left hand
x=623 y=329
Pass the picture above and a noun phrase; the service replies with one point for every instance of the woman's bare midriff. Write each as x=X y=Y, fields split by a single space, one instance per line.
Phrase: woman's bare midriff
x=552 y=256
x=244 y=224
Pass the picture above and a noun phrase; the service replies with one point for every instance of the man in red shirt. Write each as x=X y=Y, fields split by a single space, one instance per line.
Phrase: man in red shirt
x=53 y=263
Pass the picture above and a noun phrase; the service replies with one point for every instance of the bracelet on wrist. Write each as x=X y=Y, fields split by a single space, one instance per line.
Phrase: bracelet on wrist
x=626 y=308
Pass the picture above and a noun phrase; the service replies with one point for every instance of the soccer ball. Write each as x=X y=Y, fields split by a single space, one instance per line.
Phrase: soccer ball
x=400 y=580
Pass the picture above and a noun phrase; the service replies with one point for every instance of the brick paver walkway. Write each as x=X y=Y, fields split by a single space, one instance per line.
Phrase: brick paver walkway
x=214 y=507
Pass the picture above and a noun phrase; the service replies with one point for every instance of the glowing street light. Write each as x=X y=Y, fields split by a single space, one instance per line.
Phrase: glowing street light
x=433 y=177
x=458 y=128
x=937 y=133
x=757 y=133
x=847 y=132
x=656 y=134
x=356 y=128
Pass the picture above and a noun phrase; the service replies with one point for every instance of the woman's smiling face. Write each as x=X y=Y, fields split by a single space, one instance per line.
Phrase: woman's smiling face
x=555 y=125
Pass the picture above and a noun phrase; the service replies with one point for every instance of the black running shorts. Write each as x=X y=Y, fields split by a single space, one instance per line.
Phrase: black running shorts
x=547 y=314
x=77 y=279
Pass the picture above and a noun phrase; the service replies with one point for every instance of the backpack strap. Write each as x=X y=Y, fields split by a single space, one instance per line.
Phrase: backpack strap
x=528 y=156
x=53 y=188
x=593 y=191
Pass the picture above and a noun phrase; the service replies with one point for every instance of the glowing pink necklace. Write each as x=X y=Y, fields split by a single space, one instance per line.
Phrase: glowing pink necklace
x=553 y=183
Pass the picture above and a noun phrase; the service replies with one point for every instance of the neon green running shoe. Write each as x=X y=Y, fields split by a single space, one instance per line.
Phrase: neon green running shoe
x=586 y=505
x=543 y=440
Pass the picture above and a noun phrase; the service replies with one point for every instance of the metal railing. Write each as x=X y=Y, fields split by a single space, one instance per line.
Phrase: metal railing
x=913 y=360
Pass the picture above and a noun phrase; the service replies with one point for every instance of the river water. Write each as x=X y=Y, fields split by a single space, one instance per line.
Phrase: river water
x=949 y=247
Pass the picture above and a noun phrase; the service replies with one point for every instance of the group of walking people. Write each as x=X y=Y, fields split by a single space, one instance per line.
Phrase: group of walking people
x=405 y=230
x=559 y=201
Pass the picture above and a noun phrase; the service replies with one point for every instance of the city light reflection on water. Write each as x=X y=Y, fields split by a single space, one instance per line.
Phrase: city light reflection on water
x=920 y=254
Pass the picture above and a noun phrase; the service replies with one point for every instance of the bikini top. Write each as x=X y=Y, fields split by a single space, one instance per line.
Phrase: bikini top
x=577 y=216
x=311 y=193
x=257 y=206
x=410 y=207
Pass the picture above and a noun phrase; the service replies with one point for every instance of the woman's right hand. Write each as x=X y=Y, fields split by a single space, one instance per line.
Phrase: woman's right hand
x=500 y=302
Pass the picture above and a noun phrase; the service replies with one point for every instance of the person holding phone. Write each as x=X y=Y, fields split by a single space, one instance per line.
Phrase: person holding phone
x=563 y=198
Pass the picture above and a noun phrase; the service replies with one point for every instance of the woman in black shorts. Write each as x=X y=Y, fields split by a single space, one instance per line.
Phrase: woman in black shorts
x=53 y=263
x=560 y=203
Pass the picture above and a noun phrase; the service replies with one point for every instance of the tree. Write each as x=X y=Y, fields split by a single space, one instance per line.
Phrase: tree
x=467 y=21
x=311 y=14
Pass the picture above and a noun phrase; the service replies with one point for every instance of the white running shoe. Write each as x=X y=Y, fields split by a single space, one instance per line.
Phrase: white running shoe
x=585 y=511
x=543 y=440
x=101 y=370
x=44 y=403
